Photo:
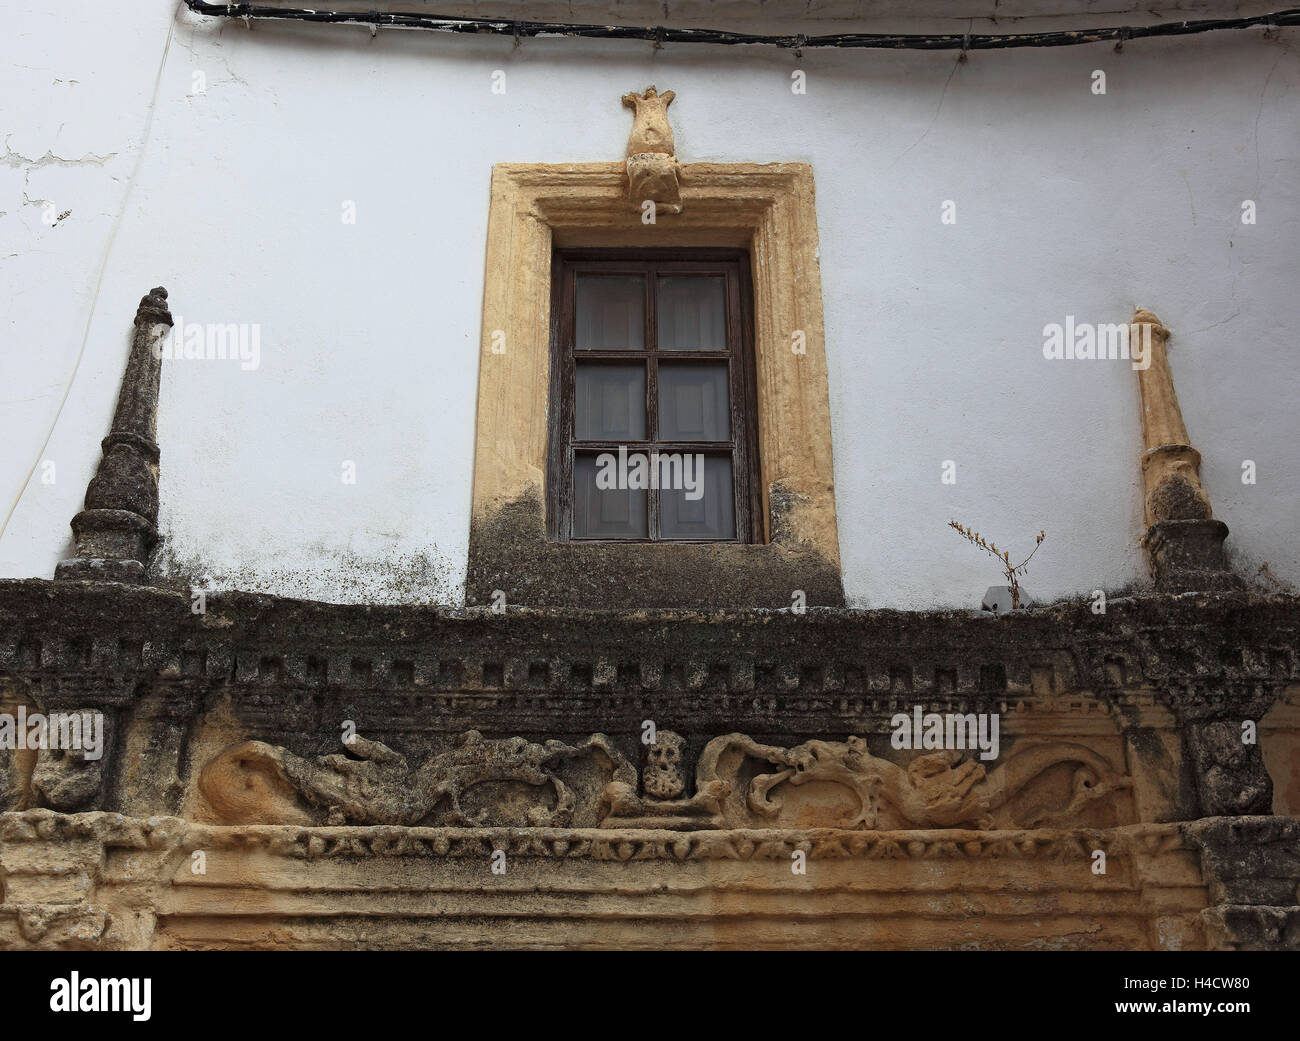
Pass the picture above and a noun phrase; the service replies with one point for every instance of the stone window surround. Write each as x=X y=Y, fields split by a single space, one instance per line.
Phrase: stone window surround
x=767 y=209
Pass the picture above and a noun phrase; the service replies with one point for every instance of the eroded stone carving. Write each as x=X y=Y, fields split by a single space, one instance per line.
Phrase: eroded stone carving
x=115 y=881
x=1183 y=538
x=66 y=780
x=664 y=775
x=373 y=784
x=1231 y=776
x=934 y=791
x=703 y=810
x=117 y=528
x=653 y=171
x=71 y=779
x=13 y=783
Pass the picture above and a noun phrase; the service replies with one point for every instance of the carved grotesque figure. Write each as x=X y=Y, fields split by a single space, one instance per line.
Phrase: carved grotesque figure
x=664 y=777
x=945 y=788
x=66 y=780
x=650 y=129
x=1232 y=777
x=653 y=173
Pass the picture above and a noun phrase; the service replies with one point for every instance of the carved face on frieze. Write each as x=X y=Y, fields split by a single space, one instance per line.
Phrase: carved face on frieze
x=65 y=779
x=664 y=776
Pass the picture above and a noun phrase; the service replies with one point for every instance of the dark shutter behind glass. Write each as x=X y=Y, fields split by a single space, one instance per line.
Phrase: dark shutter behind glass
x=653 y=355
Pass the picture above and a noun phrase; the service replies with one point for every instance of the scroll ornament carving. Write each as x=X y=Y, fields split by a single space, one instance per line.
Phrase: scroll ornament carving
x=664 y=776
x=933 y=791
x=255 y=782
x=740 y=783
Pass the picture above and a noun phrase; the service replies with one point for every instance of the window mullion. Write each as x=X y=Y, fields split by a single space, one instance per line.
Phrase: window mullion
x=652 y=390
x=652 y=434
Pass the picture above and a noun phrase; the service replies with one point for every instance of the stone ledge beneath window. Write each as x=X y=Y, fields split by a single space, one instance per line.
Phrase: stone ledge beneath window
x=510 y=552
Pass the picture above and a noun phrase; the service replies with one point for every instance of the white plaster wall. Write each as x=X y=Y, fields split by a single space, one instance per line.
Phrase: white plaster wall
x=76 y=87
x=1067 y=203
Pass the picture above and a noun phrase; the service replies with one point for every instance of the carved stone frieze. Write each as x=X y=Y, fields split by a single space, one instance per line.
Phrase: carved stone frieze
x=935 y=790
x=287 y=673
x=372 y=784
x=816 y=784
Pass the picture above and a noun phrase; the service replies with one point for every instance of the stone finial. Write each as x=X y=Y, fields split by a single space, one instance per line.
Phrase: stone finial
x=653 y=172
x=1183 y=539
x=117 y=528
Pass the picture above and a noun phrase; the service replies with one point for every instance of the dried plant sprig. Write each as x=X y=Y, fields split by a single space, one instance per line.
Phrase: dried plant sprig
x=1003 y=557
x=1269 y=582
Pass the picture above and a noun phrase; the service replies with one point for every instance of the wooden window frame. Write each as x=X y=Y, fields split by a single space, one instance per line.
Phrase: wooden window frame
x=741 y=448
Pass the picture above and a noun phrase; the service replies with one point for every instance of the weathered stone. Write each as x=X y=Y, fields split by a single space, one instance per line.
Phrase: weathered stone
x=1230 y=774
x=652 y=169
x=221 y=886
x=664 y=774
x=118 y=527
x=1185 y=543
x=782 y=719
x=375 y=785
x=935 y=790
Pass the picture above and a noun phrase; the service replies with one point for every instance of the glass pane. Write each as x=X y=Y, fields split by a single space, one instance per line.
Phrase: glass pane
x=691 y=312
x=699 y=505
x=693 y=402
x=610 y=312
x=601 y=510
x=609 y=403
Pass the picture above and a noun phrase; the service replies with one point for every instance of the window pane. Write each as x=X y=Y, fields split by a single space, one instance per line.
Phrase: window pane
x=693 y=402
x=605 y=512
x=610 y=312
x=699 y=506
x=691 y=312
x=609 y=404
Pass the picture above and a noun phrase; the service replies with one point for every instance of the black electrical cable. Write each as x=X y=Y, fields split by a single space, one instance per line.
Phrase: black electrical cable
x=660 y=34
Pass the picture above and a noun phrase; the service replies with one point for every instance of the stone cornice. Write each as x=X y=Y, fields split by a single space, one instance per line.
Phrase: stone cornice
x=1198 y=653
x=173 y=834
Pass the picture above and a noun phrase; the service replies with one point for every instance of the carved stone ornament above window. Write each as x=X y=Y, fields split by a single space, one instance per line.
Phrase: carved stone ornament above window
x=653 y=172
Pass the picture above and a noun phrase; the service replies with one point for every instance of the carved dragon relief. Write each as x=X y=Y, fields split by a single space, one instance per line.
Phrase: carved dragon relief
x=653 y=172
x=740 y=783
x=255 y=782
x=933 y=791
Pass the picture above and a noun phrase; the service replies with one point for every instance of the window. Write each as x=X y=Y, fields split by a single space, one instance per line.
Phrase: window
x=653 y=435
x=760 y=215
